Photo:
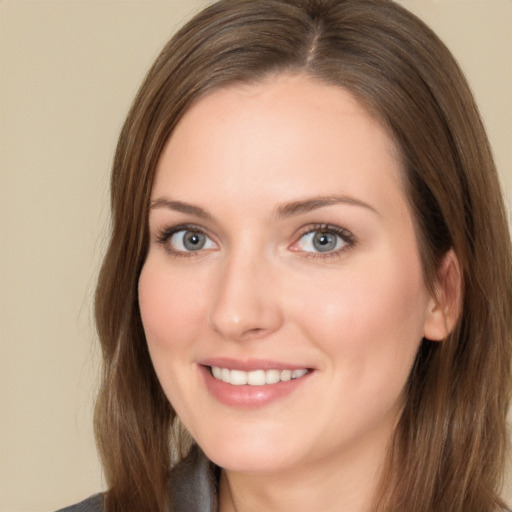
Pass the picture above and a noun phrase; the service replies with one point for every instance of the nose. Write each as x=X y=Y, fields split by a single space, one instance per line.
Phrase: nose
x=246 y=302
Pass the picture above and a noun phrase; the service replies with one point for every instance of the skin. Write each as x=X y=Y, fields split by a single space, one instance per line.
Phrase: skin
x=258 y=290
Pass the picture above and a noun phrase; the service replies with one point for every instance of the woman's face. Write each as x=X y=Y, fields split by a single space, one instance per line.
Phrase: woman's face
x=282 y=297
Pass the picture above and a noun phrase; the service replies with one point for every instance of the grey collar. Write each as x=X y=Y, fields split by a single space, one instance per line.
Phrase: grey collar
x=194 y=483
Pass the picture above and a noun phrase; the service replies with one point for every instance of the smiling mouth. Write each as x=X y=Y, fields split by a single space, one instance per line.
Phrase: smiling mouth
x=256 y=377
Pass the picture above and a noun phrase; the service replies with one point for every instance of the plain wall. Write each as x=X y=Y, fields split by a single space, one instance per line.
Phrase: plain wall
x=69 y=70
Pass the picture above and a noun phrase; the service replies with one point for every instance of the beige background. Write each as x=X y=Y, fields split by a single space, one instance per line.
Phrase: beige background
x=69 y=70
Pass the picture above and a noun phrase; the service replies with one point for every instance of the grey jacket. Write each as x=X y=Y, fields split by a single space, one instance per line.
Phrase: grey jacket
x=193 y=487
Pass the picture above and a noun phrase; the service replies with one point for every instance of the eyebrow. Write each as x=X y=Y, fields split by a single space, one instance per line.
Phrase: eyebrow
x=306 y=205
x=284 y=211
x=180 y=206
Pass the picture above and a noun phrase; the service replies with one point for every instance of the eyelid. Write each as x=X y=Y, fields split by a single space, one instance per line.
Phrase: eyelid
x=346 y=235
x=163 y=236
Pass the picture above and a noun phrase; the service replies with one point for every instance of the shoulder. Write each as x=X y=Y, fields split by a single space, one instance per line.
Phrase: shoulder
x=92 y=504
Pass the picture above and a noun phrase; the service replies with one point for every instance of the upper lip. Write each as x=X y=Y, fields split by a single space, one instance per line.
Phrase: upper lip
x=248 y=365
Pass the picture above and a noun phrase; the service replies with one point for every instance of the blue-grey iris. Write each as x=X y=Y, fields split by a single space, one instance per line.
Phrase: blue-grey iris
x=323 y=241
x=193 y=240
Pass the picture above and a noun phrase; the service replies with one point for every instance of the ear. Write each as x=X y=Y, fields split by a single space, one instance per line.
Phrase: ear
x=444 y=308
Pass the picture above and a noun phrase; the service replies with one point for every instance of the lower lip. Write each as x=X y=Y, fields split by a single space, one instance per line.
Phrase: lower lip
x=249 y=397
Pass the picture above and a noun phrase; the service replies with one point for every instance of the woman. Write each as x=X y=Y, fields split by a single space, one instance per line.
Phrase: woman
x=306 y=300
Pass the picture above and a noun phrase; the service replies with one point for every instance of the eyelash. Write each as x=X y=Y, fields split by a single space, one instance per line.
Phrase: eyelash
x=346 y=236
x=166 y=234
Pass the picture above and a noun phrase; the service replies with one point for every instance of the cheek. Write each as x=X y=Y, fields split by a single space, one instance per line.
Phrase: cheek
x=171 y=306
x=370 y=315
x=172 y=311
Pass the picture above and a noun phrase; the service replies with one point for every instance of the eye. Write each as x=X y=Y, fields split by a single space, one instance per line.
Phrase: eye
x=183 y=240
x=324 y=240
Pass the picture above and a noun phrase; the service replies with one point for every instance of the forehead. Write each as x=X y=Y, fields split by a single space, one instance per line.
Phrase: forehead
x=288 y=131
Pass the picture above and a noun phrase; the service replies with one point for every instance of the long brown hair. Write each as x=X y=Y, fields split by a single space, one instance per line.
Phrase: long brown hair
x=449 y=447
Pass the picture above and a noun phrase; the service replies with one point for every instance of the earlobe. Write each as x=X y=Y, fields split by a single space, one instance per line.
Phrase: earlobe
x=444 y=308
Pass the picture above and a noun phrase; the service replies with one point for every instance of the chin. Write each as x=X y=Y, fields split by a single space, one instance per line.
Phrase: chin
x=251 y=461
x=256 y=453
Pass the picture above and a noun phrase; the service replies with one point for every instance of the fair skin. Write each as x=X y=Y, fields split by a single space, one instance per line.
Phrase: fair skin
x=281 y=239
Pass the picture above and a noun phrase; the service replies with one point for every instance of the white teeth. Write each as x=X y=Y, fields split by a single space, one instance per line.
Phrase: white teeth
x=238 y=378
x=256 y=377
x=286 y=375
x=272 y=376
x=297 y=374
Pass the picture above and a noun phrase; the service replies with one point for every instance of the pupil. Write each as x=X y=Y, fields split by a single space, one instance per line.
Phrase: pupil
x=324 y=242
x=194 y=241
